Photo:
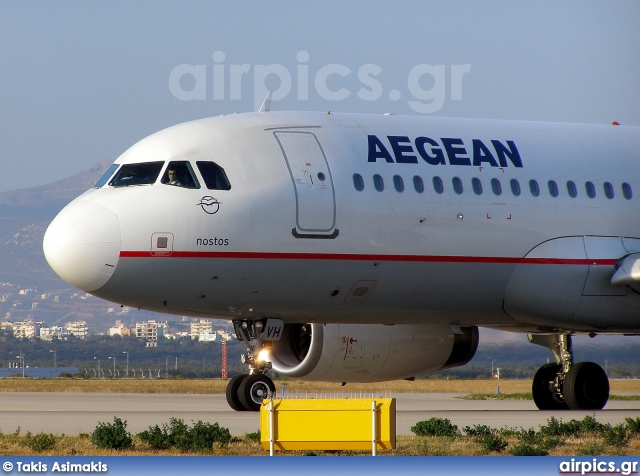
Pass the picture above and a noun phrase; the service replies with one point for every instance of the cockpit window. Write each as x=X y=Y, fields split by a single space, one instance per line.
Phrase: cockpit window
x=107 y=175
x=214 y=176
x=137 y=174
x=180 y=174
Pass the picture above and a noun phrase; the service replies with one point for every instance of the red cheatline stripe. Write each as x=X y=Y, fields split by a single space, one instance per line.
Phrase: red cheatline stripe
x=358 y=257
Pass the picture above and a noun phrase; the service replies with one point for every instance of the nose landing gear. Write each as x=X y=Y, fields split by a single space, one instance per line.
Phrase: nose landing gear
x=245 y=392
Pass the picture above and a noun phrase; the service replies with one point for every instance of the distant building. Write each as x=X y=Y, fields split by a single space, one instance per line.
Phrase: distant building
x=119 y=329
x=27 y=329
x=177 y=335
x=203 y=331
x=78 y=329
x=54 y=332
x=151 y=331
x=207 y=337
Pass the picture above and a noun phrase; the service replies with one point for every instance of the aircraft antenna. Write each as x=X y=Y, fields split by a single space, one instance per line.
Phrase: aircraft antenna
x=266 y=104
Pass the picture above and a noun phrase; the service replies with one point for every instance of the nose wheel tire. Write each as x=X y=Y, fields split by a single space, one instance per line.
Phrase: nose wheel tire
x=586 y=387
x=253 y=389
x=233 y=398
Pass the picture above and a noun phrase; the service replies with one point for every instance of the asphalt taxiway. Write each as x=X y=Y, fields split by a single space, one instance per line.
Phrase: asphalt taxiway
x=75 y=413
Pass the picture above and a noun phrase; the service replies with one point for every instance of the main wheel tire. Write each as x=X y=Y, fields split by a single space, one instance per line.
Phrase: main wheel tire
x=543 y=395
x=233 y=397
x=586 y=387
x=254 y=389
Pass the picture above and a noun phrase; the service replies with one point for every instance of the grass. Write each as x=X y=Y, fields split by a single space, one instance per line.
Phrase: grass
x=583 y=444
x=212 y=386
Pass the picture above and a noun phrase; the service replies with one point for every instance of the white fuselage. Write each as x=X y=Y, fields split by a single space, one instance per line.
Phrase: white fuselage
x=335 y=218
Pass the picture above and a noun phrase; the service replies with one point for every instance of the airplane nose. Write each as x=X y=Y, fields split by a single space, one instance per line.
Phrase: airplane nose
x=82 y=244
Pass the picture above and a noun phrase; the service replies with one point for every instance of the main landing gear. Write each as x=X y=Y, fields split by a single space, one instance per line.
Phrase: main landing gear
x=245 y=392
x=564 y=385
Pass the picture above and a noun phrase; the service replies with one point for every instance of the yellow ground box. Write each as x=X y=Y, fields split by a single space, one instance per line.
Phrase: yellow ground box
x=329 y=424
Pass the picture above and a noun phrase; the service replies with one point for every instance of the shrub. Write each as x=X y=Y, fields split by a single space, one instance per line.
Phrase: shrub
x=252 y=436
x=436 y=427
x=112 y=435
x=529 y=437
x=479 y=430
x=492 y=443
x=201 y=437
x=633 y=425
x=616 y=435
x=571 y=428
x=41 y=442
x=525 y=449
x=172 y=434
x=593 y=449
x=552 y=442
x=156 y=437
x=505 y=431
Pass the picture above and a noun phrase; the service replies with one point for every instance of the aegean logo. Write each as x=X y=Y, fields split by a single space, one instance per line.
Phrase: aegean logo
x=209 y=204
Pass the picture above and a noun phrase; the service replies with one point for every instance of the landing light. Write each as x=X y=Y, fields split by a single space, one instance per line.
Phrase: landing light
x=263 y=355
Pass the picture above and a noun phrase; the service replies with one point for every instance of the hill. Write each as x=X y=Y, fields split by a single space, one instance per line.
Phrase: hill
x=24 y=217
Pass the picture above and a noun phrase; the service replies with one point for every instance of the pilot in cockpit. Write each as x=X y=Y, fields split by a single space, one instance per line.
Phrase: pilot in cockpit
x=172 y=177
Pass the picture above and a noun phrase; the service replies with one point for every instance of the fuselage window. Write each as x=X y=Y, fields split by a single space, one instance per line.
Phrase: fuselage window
x=496 y=187
x=180 y=174
x=398 y=183
x=553 y=188
x=476 y=185
x=107 y=175
x=378 y=183
x=534 y=188
x=438 y=186
x=418 y=184
x=137 y=174
x=591 y=189
x=515 y=187
x=214 y=176
x=457 y=185
x=608 y=190
x=626 y=191
x=572 y=189
x=358 y=183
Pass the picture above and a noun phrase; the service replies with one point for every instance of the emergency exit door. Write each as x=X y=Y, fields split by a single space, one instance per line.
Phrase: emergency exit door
x=312 y=184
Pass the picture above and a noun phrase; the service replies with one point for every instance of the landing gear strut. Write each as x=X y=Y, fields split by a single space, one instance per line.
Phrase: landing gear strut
x=564 y=385
x=245 y=392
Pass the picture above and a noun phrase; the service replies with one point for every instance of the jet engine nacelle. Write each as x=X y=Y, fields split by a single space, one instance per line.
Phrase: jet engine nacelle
x=370 y=353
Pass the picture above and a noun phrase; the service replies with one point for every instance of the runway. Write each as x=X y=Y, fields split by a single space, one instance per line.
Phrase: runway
x=75 y=413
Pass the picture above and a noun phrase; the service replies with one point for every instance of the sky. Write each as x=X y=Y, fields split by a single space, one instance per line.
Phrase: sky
x=80 y=82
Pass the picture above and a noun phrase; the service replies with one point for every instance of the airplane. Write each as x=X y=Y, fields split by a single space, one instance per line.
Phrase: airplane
x=364 y=248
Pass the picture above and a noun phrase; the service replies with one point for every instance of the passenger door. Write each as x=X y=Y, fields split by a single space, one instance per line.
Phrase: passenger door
x=312 y=184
